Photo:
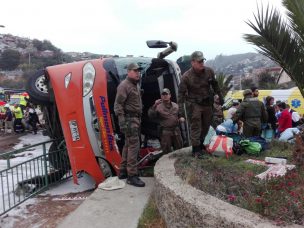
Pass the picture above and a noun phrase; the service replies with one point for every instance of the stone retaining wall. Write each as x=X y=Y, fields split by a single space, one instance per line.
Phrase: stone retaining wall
x=181 y=205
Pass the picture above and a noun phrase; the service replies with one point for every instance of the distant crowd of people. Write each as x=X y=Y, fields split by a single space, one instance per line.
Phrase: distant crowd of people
x=19 y=118
x=252 y=116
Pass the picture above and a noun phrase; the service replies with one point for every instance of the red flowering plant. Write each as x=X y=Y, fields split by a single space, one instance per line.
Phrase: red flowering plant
x=279 y=198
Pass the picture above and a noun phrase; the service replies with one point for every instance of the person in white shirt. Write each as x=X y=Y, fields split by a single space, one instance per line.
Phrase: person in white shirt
x=232 y=110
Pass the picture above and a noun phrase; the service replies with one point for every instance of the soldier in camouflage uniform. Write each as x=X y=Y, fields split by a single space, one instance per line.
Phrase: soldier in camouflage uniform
x=166 y=112
x=196 y=90
x=128 y=108
x=252 y=113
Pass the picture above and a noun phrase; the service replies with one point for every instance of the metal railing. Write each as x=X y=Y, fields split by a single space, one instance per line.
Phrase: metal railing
x=29 y=171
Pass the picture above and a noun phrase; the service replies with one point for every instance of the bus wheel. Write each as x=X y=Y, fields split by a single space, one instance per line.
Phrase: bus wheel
x=37 y=88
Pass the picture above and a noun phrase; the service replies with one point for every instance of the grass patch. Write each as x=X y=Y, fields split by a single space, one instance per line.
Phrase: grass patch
x=151 y=217
x=233 y=180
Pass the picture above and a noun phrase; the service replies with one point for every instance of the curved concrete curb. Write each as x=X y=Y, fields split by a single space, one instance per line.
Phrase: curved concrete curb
x=181 y=205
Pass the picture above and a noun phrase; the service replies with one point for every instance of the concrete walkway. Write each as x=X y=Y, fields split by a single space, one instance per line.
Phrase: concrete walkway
x=119 y=208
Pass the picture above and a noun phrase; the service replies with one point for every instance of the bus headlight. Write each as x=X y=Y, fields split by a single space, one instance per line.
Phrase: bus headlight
x=88 y=77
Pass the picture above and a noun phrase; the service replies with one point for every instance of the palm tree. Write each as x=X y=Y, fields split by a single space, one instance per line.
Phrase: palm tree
x=281 y=40
x=224 y=83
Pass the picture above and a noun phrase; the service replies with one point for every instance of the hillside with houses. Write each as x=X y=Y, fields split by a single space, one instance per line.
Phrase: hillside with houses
x=35 y=54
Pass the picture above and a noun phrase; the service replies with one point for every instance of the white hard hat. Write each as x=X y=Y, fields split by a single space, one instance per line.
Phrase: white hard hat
x=6 y=106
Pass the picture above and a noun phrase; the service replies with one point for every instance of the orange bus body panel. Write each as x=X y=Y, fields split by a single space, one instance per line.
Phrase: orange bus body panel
x=70 y=107
x=103 y=112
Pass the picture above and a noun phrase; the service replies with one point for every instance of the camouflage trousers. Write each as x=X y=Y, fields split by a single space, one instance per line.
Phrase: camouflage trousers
x=171 y=138
x=131 y=148
x=201 y=119
x=250 y=130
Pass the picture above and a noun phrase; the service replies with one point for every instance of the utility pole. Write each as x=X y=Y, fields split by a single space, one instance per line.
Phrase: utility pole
x=29 y=58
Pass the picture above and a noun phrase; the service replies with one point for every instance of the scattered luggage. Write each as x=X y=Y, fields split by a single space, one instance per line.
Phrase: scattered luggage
x=251 y=147
x=221 y=145
x=260 y=140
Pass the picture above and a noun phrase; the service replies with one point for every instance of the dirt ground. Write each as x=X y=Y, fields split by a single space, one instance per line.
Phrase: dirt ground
x=7 y=141
x=47 y=210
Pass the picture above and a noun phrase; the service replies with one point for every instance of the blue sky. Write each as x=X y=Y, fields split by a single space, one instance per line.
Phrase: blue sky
x=122 y=26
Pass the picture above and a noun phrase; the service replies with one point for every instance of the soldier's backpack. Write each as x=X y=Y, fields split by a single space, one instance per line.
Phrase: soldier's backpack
x=221 y=145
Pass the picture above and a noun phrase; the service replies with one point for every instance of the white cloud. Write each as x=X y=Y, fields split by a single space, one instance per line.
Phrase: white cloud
x=122 y=27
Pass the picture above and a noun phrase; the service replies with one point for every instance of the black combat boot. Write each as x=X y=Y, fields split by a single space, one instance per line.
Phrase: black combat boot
x=203 y=148
x=123 y=174
x=135 y=181
x=198 y=153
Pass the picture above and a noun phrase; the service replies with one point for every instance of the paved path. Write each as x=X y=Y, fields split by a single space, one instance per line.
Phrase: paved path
x=110 y=209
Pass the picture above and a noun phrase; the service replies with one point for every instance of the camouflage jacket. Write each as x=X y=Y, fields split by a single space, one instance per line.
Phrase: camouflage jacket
x=128 y=100
x=167 y=114
x=252 y=112
x=198 y=88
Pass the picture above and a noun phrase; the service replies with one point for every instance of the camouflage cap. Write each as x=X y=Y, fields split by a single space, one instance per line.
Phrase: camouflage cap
x=133 y=66
x=198 y=56
x=165 y=90
x=247 y=92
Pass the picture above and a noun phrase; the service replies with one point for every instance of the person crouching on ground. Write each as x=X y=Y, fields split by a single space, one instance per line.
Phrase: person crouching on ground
x=166 y=112
x=252 y=113
x=232 y=110
x=128 y=109
x=285 y=119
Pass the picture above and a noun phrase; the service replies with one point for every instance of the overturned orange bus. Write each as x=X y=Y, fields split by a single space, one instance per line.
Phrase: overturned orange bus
x=78 y=100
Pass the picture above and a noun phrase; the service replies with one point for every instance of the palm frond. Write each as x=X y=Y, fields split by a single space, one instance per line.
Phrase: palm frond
x=295 y=13
x=224 y=83
x=277 y=40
